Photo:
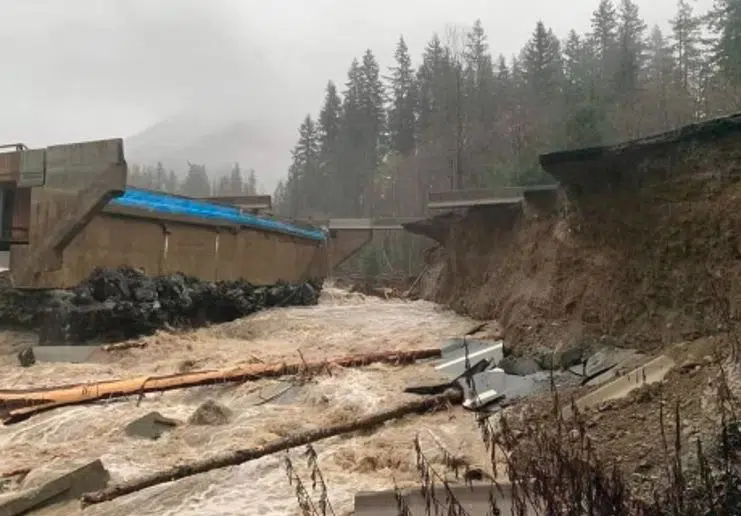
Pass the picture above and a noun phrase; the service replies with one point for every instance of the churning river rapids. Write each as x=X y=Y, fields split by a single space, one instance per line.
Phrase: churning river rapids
x=341 y=324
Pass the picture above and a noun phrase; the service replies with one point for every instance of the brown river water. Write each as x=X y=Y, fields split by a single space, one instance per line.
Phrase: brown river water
x=342 y=323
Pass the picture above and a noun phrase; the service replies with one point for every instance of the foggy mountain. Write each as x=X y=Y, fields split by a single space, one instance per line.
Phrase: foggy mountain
x=216 y=143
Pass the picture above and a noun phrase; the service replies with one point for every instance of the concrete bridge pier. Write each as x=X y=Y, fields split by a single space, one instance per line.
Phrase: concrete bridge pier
x=344 y=244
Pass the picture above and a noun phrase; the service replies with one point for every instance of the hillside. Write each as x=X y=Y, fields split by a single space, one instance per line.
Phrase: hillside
x=216 y=143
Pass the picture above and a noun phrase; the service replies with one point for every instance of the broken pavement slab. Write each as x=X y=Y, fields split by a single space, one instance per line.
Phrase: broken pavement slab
x=150 y=426
x=456 y=353
x=650 y=372
x=483 y=388
x=63 y=485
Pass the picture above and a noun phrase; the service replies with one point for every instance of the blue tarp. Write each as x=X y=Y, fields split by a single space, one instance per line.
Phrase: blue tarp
x=162 y=203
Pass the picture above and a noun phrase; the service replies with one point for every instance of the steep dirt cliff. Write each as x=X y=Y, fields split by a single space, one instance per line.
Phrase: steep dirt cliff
x=639 y=245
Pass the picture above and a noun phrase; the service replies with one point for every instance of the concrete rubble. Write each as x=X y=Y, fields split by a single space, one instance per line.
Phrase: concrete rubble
x=56 y=484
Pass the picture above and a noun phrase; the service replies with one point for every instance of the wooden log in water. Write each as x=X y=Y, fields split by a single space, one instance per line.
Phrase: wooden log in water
x=18 y=405
x=237 y=457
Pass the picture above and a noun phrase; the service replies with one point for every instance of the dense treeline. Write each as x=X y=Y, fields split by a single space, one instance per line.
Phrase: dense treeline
x=196 y=182
x=465 y=117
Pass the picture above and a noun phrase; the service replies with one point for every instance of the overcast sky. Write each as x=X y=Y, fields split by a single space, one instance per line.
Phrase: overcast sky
x=90 y=69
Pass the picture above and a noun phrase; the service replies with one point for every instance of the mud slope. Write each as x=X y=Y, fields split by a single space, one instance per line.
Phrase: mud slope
x=640 y=244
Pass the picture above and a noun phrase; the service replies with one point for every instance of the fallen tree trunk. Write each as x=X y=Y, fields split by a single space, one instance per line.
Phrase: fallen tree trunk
x=18 y=405
x=237 y=457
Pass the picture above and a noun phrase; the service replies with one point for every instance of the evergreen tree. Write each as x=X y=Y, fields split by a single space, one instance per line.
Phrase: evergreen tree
x=330 y=118
x=631 y=49
x=479 y=94
x=329 y=132
x=374 y=114
x=301 y=185
x=352 y=154
x=604 y=40
x=402 y=112
x=541 y=60
x=725 y=23
x=236 y=186
x=432 y=79
x=659 y=78
x=542 y=69
x=250 y=187
x=686 y=29
x=196 y=183
x=463 y=120
x=160 y=178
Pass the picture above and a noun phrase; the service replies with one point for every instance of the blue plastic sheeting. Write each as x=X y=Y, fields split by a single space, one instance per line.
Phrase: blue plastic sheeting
x=162 y=203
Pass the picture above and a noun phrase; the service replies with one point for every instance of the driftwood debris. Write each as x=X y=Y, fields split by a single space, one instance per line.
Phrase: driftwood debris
x=121 y=346
x=237 y=457
x=18 y=405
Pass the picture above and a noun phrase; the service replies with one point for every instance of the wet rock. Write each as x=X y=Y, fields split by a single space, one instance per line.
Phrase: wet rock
x=26 y=357
x=150 y=426
x=519 y=366
x=116 y=304
x=573 y=355
x=54 y=484
x=546 y=359
x=210 y=413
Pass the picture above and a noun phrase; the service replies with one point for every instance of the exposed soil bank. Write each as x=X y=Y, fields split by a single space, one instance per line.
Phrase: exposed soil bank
x=117 y=304
x=640 y=244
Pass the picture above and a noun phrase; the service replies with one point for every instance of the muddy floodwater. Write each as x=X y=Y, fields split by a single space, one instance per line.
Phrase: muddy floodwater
x=342 y=323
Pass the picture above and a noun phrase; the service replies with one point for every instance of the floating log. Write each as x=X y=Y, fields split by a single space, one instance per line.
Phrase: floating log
x=234 y=458
x=18 y=405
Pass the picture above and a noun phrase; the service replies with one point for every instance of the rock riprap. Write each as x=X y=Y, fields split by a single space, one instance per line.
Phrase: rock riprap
x=122 y=303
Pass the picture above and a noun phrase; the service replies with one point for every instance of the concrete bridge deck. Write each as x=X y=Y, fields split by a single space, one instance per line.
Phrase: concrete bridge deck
x=506 y=195
x=349 y=224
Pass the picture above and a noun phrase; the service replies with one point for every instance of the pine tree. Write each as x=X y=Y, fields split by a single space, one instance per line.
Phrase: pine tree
x=584 y=116
x=250 y=187
x=631 y=49
x=480 y=109
x=196 y=183
x=659 y=79
x=432 y=79
x=300 y=188
x=402 y=112
x=352 y=152
x=329 y=133
x=542 y=69
x=330 y=118
x=725 y=23
x=236 y=186
x=604 y=40
x=160 y=177
x=372 y=106
x=686 y=29
x=542 y=64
